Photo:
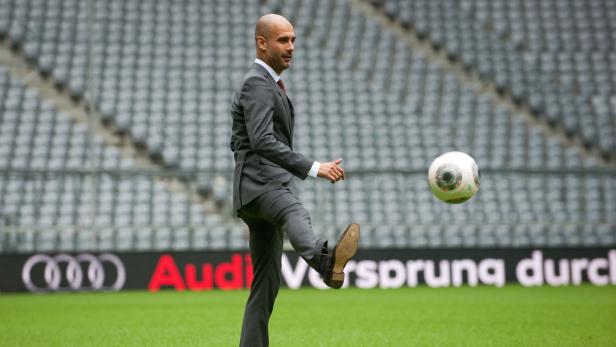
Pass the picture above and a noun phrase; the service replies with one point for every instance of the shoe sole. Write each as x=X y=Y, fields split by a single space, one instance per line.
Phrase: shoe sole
x=345 y=250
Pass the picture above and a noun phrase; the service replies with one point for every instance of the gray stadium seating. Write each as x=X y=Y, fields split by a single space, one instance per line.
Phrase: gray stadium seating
x=46 y=192
x=559 y=57
x=164 y=71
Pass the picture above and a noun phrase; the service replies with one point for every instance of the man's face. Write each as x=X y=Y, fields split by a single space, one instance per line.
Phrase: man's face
x=279 y=47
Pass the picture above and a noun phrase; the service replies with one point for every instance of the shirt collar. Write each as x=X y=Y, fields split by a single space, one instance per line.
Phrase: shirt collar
x=271 y=71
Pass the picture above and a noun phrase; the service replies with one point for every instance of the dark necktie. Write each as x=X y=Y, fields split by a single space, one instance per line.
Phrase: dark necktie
x=282 y=87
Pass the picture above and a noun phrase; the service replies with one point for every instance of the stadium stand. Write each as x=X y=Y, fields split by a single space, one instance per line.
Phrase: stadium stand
x=161 y=69
x=398 y=110
x=45 y=188
x=163 y=72
x=556 y=56
x=171 y=102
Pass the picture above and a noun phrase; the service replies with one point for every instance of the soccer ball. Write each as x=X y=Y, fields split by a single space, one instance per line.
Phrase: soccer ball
x=454 y=177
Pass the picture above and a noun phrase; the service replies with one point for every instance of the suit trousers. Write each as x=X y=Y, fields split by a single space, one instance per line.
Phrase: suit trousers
x=269 y=217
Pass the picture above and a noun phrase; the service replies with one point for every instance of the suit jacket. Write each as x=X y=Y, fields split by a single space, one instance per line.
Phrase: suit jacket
x=262 y=139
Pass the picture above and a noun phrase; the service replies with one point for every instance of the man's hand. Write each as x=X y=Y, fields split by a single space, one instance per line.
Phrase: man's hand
x=331 y=171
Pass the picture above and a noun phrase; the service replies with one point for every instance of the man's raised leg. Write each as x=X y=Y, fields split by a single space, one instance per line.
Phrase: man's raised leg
x=283 y=209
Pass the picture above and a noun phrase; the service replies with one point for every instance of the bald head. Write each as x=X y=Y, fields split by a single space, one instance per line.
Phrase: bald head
x=269 y=24
x=274 y=41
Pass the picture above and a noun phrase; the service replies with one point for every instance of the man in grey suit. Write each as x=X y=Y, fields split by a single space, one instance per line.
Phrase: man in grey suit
x=264 y=194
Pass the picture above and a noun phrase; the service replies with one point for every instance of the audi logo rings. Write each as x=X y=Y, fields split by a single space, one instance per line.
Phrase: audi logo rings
x=73 y=273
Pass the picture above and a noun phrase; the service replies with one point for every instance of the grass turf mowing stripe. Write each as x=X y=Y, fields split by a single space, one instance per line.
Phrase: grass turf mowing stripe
x=482 y=316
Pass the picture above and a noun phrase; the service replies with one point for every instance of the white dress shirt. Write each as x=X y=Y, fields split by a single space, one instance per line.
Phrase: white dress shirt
x=314 y=170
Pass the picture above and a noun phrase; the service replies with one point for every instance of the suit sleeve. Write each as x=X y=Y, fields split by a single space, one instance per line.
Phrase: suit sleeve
x=257 y=99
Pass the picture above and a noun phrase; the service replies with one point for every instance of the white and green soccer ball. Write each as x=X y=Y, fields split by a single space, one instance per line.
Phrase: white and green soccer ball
x=454 y=177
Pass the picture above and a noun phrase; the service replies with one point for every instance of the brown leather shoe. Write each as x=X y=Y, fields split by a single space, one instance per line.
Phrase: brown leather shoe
x=345 y=249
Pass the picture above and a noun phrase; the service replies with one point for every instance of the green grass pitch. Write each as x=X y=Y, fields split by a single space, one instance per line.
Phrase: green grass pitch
x=483 y=316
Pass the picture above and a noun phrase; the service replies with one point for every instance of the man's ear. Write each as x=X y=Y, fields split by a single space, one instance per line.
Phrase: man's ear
x=261 y=43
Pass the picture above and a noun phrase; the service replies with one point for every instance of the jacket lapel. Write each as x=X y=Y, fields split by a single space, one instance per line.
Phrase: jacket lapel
x=285 y=100
x=291 y=120
x=274 y=85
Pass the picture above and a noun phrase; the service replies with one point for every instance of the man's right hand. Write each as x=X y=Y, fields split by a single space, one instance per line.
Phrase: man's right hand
x=331 y=171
